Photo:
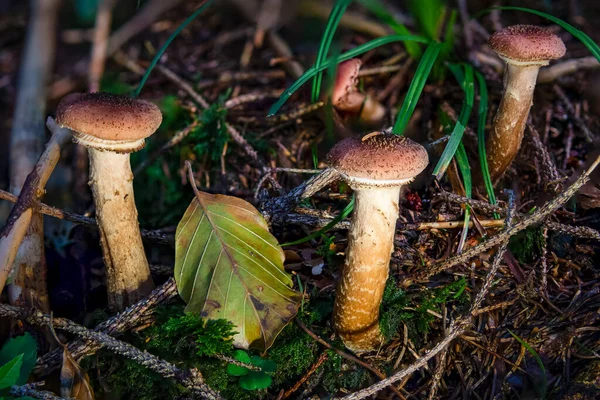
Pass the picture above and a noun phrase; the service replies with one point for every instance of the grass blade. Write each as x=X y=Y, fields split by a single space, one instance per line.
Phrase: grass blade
x=377 y=8
x=332 y=23
x=312 y=71
x=345 y=212
x=465 y=172
x=482 y=117
x=457 y=133
x=416 y=87
x=167 y=43
x=538 y=360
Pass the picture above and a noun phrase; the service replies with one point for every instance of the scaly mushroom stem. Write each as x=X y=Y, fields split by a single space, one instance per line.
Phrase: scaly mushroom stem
x=504 y=142
x=370 y=245
x=127 y=272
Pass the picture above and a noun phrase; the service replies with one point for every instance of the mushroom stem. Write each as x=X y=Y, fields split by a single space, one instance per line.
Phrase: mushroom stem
x=127 y=272
x=509 y=123
x=370 y=245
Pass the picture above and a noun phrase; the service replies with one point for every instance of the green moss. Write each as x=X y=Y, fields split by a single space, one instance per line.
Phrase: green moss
x=339 y=374
x=527 y=245
x=294 y=353
x=187 y=337
x=398 y=309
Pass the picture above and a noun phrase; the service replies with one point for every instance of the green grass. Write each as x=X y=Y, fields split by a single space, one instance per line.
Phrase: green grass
x=481 y=120
x=538 y=360
x=379 y=10
x=416 y=87
x=312 y=71
x=464 y=75
x=164 y=47
x=332 y=23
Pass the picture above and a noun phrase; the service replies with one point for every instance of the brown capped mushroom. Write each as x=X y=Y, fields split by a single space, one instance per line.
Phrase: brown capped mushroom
x=112 y=127
x=525 y=48
x=347 y=99
x=375 y=167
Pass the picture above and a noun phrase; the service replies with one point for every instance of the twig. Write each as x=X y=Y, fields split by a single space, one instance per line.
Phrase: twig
x=156 y=236
x=276 y=207
x=192 y=379
x=534 y=218
x=118 y=324
x=13 y=232
x=100 y=45
x=566 y=67
x=32 y=390
x=322 y=358
x=457 y=327
x=345 y=355
x=589 y=136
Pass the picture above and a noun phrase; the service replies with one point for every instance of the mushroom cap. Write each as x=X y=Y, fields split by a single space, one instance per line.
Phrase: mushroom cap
x=108 y=121
x=527 y=45
x=378 y=160
x=345 y=97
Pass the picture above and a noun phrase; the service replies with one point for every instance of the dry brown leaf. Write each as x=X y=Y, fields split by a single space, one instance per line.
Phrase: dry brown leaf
x=74 y=381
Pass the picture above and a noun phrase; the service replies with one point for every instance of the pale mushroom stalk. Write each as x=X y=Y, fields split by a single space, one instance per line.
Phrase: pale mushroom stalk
x=112 y=127
x=376 y=168
x=525 y=48
x=365 y=272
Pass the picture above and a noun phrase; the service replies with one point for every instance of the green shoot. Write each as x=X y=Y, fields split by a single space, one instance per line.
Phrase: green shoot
x=455 y=138
x=537 y=359
x=416 y=87
x=482 y=111
x=167 y=43
x=332 y=24
x=312 y=71
x=377 y=8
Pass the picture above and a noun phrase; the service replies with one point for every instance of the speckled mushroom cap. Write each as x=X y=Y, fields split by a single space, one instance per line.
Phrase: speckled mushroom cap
x=527 y=45
x=378 y=160
x=108 y=121
x=345 y=97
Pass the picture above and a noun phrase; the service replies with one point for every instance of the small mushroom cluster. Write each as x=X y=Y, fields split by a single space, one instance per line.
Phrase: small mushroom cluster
x=379 y=164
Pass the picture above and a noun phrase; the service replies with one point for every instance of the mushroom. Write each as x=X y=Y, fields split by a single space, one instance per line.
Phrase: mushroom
x=525 y=48
x=111 y=127
x=375 y=167
x=347 y=99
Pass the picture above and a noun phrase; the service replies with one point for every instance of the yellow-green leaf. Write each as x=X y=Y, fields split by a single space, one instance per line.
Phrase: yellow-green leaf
x=228 y=265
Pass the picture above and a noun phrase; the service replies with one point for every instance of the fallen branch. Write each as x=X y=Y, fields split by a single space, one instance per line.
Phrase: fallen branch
x=191 y=379
x=534 y=218
x=32 y=390
x=118 y=324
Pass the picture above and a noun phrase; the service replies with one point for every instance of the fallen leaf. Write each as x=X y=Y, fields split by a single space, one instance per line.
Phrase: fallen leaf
x=228 y=265
x=74 y=381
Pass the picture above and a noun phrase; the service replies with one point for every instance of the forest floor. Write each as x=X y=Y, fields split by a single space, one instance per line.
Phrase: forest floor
x=537 y=332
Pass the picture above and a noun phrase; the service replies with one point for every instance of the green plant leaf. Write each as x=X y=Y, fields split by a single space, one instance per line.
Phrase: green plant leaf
x=482 y=117
x=264 y=364
x=255 y=380
x=237 y=370
x=164 y=47
x=467 y=84
x=21 y=345
x=228 y=265
x=416 y=87
x=358 y=50
x=377 y=8
x=332 y=23
x=537 y=359
x=9 y=372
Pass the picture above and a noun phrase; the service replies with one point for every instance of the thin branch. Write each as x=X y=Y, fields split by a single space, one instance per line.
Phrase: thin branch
x=116 y=325
x=191 y=379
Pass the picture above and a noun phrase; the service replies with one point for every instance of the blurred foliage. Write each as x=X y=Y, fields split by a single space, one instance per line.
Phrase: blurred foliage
x=527 y=245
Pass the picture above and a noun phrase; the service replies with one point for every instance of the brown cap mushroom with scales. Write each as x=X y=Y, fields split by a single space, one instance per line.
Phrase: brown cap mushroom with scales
x=375 y=167
x=346 y=97
x=111 y=127
x=525 y=48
